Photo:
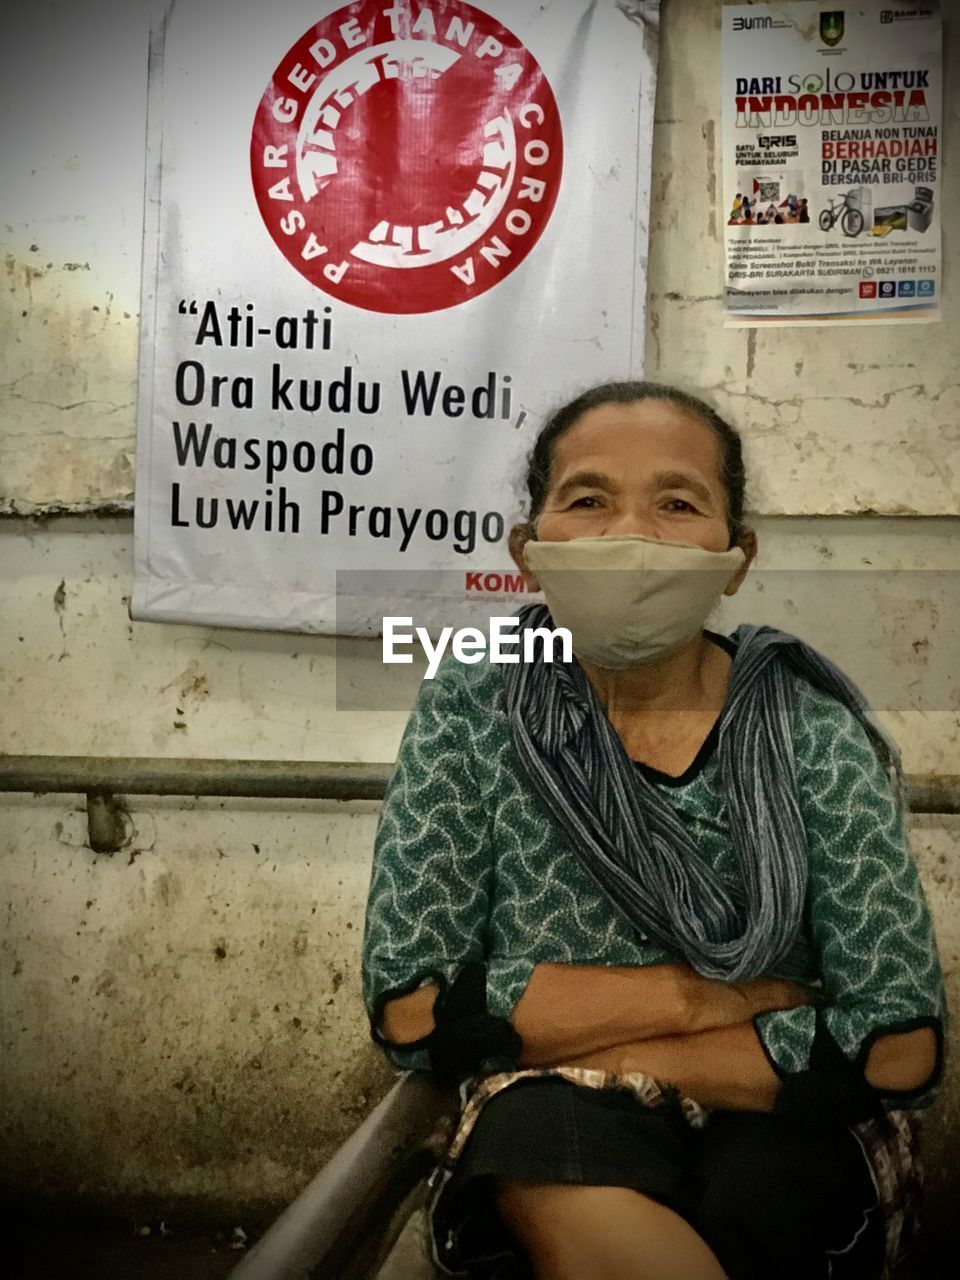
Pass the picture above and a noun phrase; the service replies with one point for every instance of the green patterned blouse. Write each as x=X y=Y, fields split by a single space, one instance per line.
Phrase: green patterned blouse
x=469 y=867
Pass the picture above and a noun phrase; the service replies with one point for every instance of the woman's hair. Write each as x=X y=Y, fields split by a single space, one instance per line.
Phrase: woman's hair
x=732 y=474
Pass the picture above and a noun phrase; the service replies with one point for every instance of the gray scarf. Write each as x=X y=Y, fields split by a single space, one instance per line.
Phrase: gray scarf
x=635 y=845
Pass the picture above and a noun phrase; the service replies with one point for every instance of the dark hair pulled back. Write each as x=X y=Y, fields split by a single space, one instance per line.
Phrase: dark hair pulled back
x=732 y=474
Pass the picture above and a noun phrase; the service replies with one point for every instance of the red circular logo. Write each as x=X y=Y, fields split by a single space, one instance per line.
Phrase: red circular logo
x=407 y=160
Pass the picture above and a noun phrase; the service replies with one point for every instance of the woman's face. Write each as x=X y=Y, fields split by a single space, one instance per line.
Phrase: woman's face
x=649 y=468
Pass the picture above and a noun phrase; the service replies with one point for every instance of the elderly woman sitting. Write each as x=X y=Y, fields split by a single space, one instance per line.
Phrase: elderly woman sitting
x=654 y=908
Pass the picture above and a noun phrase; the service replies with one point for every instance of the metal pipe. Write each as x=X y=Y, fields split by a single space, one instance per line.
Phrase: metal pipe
x=285 y=779
x=933 y=793
x=156 y=776
x=350 y=1204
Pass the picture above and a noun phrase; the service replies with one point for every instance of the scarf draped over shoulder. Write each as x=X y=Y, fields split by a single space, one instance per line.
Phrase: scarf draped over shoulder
x=635 y=845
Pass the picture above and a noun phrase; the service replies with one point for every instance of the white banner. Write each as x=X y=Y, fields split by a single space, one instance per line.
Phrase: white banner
x=831 y=162
x=382 y=240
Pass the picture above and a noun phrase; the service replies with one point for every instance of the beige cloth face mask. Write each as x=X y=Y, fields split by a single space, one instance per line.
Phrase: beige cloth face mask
x=626 y=601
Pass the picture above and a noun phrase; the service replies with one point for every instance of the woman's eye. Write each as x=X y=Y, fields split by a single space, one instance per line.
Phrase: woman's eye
x=680 y=503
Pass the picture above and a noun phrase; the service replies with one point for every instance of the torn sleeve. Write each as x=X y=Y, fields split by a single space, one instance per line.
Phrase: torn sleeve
x=430 y=894
x=867 y=917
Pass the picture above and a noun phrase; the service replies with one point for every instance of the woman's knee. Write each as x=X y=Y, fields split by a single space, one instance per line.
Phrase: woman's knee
x=556 y=1213
x=541 y=1217
x=603 y=1233
x=539 y=1208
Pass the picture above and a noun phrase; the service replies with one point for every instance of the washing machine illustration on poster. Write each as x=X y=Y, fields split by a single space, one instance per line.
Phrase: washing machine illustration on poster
x=920 y=209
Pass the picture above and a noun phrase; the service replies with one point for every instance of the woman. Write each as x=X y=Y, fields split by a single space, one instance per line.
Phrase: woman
x=654 y=908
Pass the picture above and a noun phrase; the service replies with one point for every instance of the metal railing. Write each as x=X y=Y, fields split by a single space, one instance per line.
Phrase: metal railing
x=158 y=776
x=344 y=1223
x=103 y=778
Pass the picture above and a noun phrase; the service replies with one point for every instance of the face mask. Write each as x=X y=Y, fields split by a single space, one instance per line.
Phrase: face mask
x=626 y=601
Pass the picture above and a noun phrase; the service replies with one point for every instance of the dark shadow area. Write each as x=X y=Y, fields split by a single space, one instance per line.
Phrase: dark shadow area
x=101 y=1252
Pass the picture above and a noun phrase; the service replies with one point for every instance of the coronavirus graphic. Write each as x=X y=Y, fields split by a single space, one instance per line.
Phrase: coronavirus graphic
x=407 y=160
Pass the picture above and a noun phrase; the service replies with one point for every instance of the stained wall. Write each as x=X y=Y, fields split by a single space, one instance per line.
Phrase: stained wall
x=181 y=1020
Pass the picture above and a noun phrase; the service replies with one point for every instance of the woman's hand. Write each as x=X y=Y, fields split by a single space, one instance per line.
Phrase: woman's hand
x=569 y=1010
x=713 y=1006
x=764 y=995
x=725 y=1067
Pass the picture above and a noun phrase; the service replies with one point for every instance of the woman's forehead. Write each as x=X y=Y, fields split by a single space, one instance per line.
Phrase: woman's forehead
x=651 y=433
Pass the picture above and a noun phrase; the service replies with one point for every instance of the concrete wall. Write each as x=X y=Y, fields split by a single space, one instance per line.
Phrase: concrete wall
x=181 y=1020
x=869 y=419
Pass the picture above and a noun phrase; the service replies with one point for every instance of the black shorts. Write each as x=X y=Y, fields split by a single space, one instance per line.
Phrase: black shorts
x=769 y=1197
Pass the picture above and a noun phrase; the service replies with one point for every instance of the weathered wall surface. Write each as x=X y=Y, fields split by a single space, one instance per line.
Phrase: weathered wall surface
x=838 y=420
x=182 y=1019
x=74 y=112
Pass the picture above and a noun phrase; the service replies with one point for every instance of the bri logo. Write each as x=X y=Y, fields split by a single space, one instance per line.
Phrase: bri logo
x=495 y=583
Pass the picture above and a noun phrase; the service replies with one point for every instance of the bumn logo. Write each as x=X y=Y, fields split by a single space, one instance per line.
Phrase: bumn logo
x=406 y=160
x=752 y=24
x=831 y=27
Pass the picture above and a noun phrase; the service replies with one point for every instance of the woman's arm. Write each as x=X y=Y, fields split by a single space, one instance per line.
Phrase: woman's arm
x=574 y=1009
x=728 y=1068
x=725 y=1067
x=869 y=920
x=568 y=1010
x=902 y=1062
x=432 y=867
